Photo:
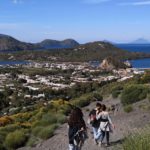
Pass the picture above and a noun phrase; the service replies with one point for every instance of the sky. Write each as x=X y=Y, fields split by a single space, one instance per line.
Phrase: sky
x=82 y=20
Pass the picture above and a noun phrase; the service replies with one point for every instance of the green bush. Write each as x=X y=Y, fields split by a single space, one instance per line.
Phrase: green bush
x=145 y=107
x=2 y=147
x=10 y=128
x=148 y=96
x=61 y=118
x=32 y=141
x=81 y=103
x=116 y=90
x=97 y=96
x=47 y=119
x=47 y=132
x=4 y=131
x=65 y=109
x=138 y=141
x=128 y=108
x=2 y=136
x=146 y=77
x=134 y=93
x=36 y=130
x=15 y=139
x=115 y=94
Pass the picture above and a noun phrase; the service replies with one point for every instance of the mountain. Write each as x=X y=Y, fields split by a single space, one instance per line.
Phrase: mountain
x=95 y=51
x=10 y=43
x=141 y=41
x=54 y=44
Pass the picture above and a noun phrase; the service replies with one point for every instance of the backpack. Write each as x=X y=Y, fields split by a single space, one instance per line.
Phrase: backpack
x=92 y=117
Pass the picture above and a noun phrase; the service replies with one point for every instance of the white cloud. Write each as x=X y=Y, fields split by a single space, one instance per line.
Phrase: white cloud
x=138 y=3
x=95 y=1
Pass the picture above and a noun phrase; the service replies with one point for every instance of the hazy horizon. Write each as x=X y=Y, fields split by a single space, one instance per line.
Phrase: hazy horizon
x=119 y=21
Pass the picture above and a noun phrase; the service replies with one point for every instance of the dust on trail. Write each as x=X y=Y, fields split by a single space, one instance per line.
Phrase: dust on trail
x=124 y=123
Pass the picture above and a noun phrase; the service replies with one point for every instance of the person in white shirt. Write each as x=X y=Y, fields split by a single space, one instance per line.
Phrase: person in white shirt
x=105 y=126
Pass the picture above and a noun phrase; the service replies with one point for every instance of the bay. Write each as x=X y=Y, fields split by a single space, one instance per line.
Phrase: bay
x=138 y=63
x=12 y=62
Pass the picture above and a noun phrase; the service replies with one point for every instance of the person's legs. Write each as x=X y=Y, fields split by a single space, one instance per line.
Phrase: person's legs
x=107 y=137
x=71 y=147
x=99 y=134
x=102 y=136
x=71 y=134
x=95 y=132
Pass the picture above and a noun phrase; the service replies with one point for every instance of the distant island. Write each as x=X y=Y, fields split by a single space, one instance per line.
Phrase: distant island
x=8 y=43
x=140 y=41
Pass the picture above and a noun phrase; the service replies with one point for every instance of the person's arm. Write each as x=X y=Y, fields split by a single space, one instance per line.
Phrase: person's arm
x=110 y=121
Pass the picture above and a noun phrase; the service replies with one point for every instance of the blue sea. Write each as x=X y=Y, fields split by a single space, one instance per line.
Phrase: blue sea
x=12 y=62
x=140 y=63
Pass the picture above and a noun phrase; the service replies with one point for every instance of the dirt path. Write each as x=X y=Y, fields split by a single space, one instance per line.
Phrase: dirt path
x=124 y=122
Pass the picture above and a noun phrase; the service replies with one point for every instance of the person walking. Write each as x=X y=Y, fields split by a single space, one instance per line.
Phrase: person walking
x=105 y=126
x=77 y=129
x=94 y=121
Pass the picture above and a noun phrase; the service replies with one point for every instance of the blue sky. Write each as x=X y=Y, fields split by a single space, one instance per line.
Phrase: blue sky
x=83 y=20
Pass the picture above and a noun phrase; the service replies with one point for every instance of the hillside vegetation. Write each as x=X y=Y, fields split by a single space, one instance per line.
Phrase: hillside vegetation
x=30 y=127
x=82 y=53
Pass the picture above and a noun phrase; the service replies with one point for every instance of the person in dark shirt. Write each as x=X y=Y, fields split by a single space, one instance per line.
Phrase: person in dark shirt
x=94 y=122
x=77 y=128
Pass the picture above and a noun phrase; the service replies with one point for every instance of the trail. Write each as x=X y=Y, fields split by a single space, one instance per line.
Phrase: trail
x=124 y=122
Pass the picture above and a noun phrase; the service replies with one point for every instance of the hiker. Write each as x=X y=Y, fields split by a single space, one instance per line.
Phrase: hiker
x=94 y=121
x=77 y=129
x=106 y=125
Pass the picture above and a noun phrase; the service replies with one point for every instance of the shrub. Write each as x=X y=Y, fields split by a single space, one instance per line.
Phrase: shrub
x=128 y=108
x=116 y=90
x=97 y=96
x=47 y=119
x=10 y=128
x=115 y=94
x=32 y=141
x=61 y=118
x=145 y=107
x=3 y=136
x=15 y=139
x=36 y=130
x=133 y=93
x=148 y=96
x=5 y=120
x=65 y=109
x=2 y=147
x=81 y=103
x=22 y=117
x=146 y=77
x=87 y=109
x=138 y=141
x=47 y=132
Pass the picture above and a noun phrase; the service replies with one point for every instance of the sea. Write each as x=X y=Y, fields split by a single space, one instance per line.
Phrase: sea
x=139 y=63
x=12 y=62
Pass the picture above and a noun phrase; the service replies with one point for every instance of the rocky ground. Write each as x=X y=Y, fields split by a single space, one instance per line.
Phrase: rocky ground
x=124 y=123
